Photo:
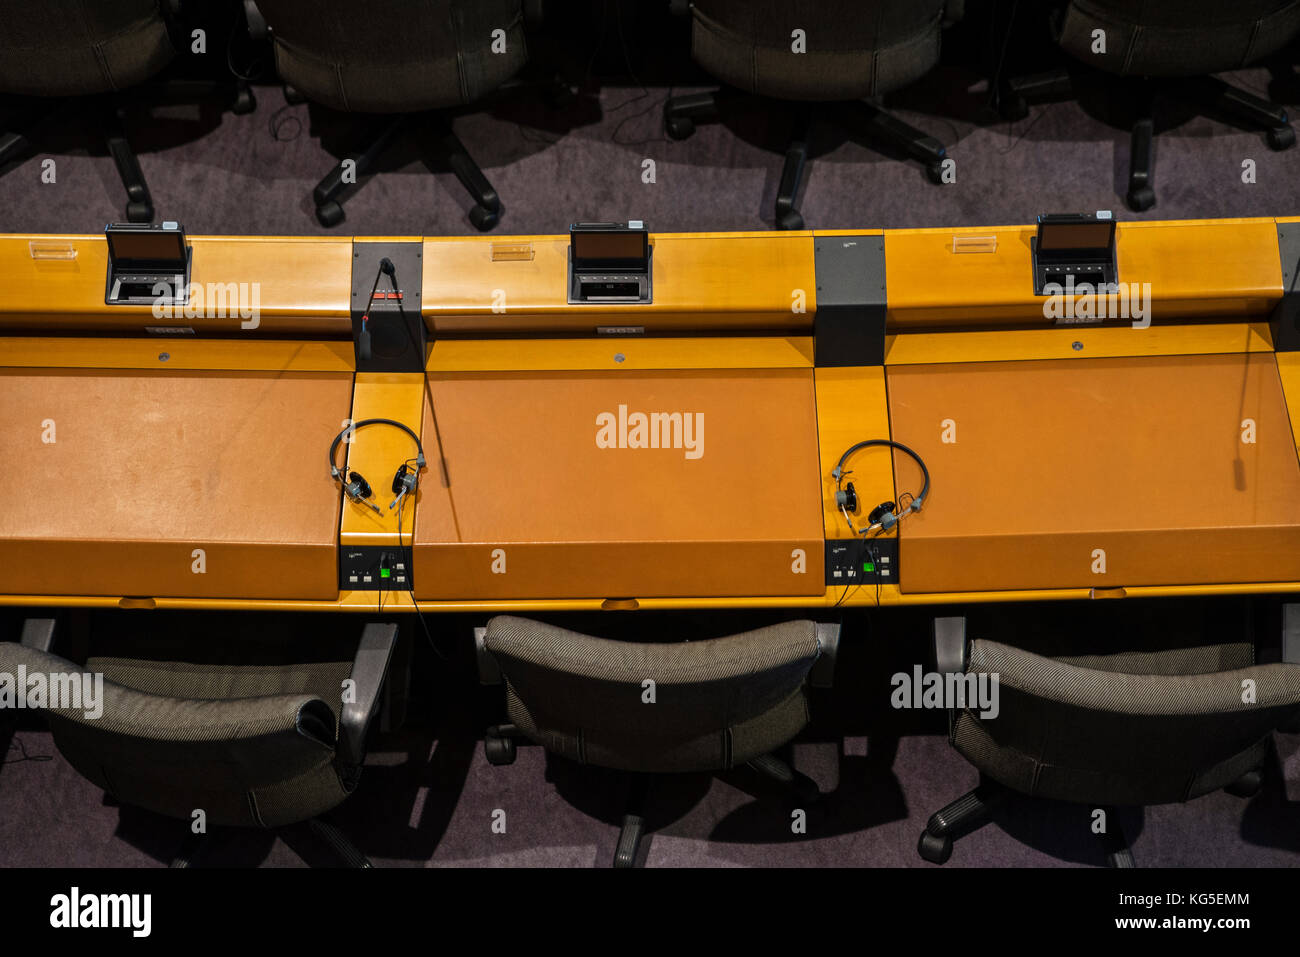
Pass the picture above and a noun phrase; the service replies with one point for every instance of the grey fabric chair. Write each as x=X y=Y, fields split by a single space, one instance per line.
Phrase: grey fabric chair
x=252 y=746
x=397 y=57
x=717 y=704
x=1166 y=48
x=1130 y=728
x=75 y=48
x=854 y=51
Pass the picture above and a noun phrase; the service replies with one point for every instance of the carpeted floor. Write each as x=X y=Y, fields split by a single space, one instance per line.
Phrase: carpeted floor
x=223 y=174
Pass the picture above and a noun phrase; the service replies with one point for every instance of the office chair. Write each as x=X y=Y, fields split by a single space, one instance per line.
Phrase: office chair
x=1132 y=728
x=254 y=745
x=73 y=48
x=716 y=704
x=1164 y=48
x=854 y=51
x=395 y=57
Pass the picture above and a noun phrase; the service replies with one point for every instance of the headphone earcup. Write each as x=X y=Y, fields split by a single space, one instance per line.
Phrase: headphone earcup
x=847 y=498
x=357 y=487
x=405 y=480
x=882 y=513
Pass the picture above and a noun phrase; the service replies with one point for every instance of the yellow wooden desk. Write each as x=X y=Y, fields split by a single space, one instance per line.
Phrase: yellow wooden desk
x=1171 y=449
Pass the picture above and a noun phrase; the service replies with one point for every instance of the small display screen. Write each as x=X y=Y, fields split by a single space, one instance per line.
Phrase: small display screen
x=147 y=246
x=609 y=247
x=1058 y=236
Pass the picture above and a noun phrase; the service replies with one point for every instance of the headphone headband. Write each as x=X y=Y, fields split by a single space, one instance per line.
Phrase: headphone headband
x=335 y=471
x=887 y=519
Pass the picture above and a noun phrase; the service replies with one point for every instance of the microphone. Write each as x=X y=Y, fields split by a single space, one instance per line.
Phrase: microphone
x=363 y=340
x=386 y=268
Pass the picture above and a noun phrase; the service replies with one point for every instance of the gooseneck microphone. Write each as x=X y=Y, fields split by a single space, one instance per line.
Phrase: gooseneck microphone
x=386 y=268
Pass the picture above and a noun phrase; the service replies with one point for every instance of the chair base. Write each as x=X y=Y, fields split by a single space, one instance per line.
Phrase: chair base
x=1208 y=95
x=682 y=114
x=111 y=110
x=313 y=836
x=974 y=809
x=445 y=149
x=633 y=837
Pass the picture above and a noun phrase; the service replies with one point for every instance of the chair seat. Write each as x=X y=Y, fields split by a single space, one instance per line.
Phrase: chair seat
x=407 y=77
x=1134 y=728
x=261 y=760
x=1177 y=39
x=72 y=48
x=713 y=704
x=824 y=73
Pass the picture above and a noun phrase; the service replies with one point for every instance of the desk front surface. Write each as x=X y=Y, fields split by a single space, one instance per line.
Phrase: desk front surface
x=187 y=483
x=595 y=484
x=1099 y=473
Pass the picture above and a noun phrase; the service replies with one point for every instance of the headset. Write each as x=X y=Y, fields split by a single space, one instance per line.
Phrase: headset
x=887 y=514
x=405 y=481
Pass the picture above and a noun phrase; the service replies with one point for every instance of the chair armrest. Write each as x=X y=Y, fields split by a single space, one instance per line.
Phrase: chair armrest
x=369 y=669
x=951 y=650
x=38 y=633
x=822 y=673
x=1291 y=633
x=489 y=671
x=257 y=27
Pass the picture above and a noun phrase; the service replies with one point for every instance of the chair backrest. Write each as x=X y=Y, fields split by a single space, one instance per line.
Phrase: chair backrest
x=711 y=705
x=1130 y=728
x=75 y=47
x=1176 y=37
x=251 y=747
x=819 y=50
x=396 y=56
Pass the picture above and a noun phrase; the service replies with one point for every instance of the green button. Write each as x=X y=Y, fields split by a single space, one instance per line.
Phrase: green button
x=868 y=566
x=385 y=572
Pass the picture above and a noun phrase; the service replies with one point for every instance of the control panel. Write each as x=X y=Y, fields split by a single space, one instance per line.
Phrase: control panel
x=862 y=561
x=374 y=568
x=610 y=262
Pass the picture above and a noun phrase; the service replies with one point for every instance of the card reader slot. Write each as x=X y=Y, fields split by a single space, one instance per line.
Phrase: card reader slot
x=605 y=291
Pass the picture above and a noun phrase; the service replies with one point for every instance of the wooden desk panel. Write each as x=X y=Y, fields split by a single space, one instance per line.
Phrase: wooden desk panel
x=1142 y=459
x=146 y=467
x=1227 y=268
x=702 y=282
x=303 y=287
x=538 y=509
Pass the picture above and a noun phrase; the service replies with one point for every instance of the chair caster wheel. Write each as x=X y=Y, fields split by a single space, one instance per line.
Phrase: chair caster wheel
x=498 y=749
x=934 y=849
x=293 y=96
x=1247 y=785
x=934 y=173
x=679 y=127
x=790 y=220
x=1281 y=138
x=484 y=219
x=329 y=214
x=139 y=212
x=1141 y=198
x=244 y=102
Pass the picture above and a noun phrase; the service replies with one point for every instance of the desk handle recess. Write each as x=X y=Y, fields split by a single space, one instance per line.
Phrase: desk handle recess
x=54 y=251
